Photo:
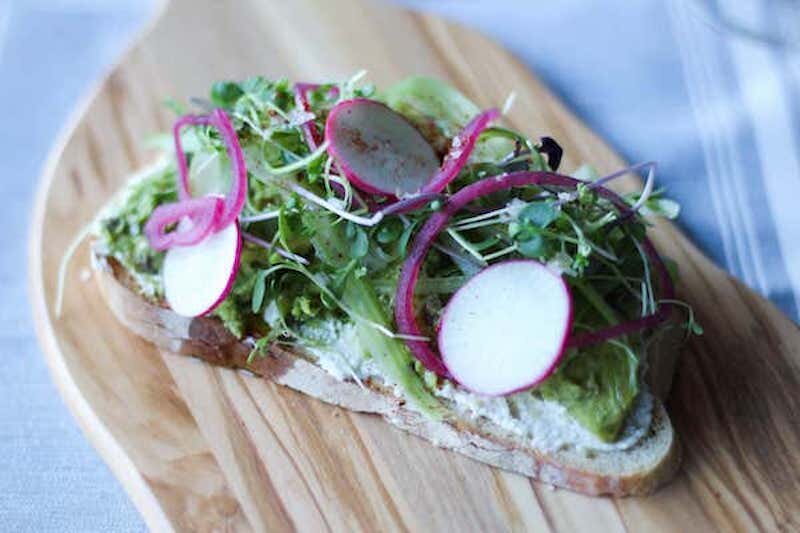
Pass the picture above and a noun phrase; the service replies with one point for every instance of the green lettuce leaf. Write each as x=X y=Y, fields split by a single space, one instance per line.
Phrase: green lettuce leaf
x=391 y=355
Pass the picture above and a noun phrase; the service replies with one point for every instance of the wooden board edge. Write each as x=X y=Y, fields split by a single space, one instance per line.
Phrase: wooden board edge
x=100 y=437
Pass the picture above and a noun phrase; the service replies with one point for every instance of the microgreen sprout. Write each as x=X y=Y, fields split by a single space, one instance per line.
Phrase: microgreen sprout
x=277 y=249
x=509 y=103
x=333 y=208
x=298 y=165
x=64 y=265
x=692 y=326
x=467 y=246
x=267 y=215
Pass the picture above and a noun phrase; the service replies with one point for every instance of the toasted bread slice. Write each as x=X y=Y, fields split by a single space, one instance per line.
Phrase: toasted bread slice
x=634 y=471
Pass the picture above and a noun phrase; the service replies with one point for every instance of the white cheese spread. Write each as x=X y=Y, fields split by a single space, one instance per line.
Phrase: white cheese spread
x=546 y=424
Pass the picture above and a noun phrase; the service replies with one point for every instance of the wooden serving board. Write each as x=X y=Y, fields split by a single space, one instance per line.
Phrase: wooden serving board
x=202 y=448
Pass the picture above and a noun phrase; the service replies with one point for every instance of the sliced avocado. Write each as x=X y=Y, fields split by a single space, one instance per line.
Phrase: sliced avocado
x=597 y=386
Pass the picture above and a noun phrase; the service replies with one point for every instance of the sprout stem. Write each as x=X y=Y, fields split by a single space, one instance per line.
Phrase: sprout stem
x=249 y=237
x=267 y=215
x=63 y=266
x=466 y=245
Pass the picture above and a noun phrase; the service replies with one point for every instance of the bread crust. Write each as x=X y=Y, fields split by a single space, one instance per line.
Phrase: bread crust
x=206 y=338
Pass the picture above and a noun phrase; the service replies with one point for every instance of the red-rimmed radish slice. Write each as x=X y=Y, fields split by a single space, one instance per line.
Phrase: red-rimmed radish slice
x=404 y=312
x=506 y=329
x=195 y=219
x=236 y=196
x=184 y=189
x=378 y=150
x=197 y=278
x=235 y=199
x=461 y=148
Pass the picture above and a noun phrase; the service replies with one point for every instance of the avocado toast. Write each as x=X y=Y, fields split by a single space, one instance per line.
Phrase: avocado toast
x=346 y=221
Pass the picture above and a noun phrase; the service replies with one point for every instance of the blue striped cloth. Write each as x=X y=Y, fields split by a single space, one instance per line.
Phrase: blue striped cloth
x=683 y=82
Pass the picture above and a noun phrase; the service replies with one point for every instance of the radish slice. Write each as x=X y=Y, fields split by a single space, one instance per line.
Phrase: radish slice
x=378 y=150
x=197 y=278
x=405 y=316
x=506 y=329
x=184 y=191
x=235 y=199
x=460 y=150
x=236 y=196
x=196 y=218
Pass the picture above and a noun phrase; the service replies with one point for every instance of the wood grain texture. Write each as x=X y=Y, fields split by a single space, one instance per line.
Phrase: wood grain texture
x=203 y=448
